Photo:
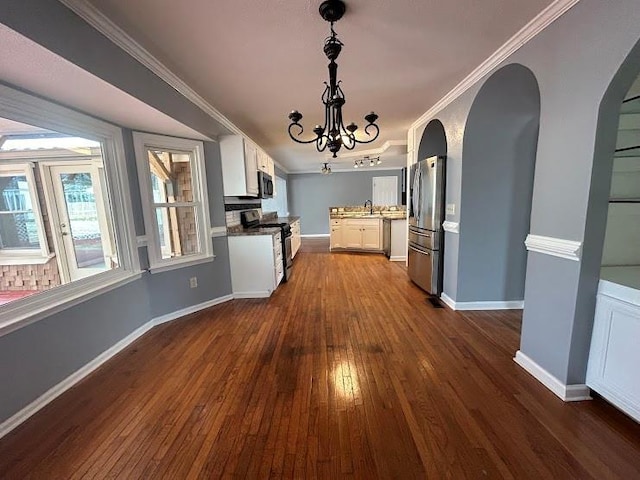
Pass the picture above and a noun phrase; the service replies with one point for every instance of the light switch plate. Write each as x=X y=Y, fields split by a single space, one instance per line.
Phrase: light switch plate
x=451 y=208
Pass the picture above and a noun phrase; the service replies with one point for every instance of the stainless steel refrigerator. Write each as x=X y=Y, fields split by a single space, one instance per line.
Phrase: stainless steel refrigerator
x=426 y=214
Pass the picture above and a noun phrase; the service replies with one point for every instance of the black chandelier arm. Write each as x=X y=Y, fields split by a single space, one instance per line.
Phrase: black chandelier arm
x=293 y=137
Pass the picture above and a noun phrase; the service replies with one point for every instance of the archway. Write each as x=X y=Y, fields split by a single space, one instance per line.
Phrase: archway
x=605 y=147
x=433 y=141
x=498 y=161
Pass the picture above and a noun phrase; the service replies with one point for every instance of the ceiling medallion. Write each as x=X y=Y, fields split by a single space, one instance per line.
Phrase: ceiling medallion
x=334 y=134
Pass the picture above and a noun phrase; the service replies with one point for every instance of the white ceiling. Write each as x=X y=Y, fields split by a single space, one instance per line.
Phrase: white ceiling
x=32 y=67
x=256 y=60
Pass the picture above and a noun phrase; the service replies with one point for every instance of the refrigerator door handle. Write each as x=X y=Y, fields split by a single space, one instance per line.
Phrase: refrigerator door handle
x=420 y=234
x=411 y=247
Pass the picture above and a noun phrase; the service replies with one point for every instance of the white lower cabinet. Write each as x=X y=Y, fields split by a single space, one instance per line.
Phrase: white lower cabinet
x=356 y=233
x=295 y=238
x=256 y=265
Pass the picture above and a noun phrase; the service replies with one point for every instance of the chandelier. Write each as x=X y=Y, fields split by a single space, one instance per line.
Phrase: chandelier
x=334 y=134
x=325 y=170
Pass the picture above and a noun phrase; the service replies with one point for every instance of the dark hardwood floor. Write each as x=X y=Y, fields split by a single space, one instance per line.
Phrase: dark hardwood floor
x=345 y=372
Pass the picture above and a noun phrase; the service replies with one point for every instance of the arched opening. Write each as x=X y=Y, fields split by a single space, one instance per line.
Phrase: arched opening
x=611 y=257
x=498 y=160
x=433 y=141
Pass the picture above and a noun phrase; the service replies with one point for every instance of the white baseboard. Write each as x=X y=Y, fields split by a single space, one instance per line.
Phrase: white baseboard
x=189 y=310
x=316 y=235
x=509 y=305
x=259 y=294
x=57 y=390
x=397 y=258
x=567 y=393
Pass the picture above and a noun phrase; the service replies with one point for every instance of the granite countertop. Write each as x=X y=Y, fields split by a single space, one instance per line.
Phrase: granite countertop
x=391 y=212
x=290 y=219
x=389 y=215
x=240 y=231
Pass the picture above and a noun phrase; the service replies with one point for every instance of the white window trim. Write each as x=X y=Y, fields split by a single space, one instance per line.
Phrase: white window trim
x=143 y=141
x=27 y=256
x=25 y=108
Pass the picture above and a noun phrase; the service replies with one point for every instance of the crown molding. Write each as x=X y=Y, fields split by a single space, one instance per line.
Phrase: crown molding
x=541 y=21
x=555 y=247
x=94 y=17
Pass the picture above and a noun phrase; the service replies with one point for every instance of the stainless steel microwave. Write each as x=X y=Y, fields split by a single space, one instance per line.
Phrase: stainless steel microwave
x=265 y=182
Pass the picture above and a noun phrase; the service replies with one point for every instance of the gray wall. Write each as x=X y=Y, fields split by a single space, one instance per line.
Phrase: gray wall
x=39 y=356
x=499 y=152
x=311 y=195
x=574 y=60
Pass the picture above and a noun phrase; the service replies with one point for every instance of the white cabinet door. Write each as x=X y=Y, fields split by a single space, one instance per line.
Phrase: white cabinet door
x=239 y=167
x=250 y=159
x=254 y=269
x=352 y=236
x=371 y=235
x=336 y=234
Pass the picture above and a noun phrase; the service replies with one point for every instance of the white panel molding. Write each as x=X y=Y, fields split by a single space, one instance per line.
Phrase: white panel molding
x=557 y=247
x=218 y=231
x=57 y=390
x=497 y=305
x=545 y=18
x=567 y=393
x=451 y=227
x=316 y=235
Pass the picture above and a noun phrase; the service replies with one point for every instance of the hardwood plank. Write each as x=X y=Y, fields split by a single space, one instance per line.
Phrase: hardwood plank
x=345 y=372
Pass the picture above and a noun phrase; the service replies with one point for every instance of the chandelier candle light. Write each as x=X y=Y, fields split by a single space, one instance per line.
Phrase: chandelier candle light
x=334 y=135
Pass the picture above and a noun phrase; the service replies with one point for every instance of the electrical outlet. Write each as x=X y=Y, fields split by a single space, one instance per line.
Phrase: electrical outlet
x=451 y=208
x=193 y=282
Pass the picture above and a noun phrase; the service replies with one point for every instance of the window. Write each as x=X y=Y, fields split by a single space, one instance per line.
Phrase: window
x=66 y=227
x=175 y=203
x=22 y=234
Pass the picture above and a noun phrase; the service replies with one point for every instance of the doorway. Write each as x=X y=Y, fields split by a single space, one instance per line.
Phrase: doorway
x=79 y=222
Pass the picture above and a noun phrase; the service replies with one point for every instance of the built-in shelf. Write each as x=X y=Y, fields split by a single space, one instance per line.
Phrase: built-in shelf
x=624 y=200
x=631 y=105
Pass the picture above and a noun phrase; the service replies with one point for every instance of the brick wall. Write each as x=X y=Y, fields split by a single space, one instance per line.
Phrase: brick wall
x=29 y=277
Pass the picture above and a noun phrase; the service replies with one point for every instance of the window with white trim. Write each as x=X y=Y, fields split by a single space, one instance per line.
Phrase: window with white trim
x=172 y=179
x=66 y=226
x=22 y=233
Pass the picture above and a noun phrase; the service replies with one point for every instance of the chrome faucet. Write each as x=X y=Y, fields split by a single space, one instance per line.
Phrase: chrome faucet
x=370 y=206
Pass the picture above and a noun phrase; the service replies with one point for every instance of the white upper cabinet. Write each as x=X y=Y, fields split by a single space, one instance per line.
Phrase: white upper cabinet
x=239 y=166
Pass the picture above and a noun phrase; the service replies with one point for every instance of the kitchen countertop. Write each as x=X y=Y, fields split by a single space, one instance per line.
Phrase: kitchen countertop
x=391 y=212
x=240 y=231
x=382 y=215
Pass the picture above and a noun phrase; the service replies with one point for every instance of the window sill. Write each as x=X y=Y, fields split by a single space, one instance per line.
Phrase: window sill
x=25 y=259
x=21 y=313
x=180 y=264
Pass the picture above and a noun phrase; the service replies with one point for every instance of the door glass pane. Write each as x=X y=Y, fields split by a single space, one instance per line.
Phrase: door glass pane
x=177 y=231
x=84 y=225
x=17 y=223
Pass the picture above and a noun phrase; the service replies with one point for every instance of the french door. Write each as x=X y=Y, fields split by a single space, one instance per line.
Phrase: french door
x=79 y=223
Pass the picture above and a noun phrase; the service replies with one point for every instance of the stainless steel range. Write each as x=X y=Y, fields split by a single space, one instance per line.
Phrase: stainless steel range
x=251 y=219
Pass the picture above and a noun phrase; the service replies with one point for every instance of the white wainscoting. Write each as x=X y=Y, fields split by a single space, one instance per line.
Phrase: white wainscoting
x=614 y=356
